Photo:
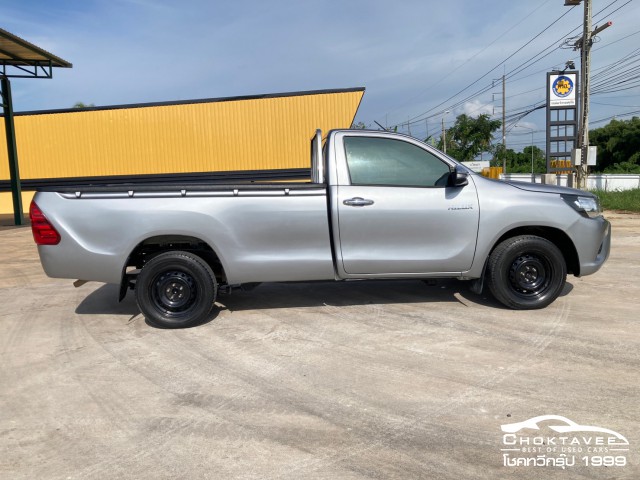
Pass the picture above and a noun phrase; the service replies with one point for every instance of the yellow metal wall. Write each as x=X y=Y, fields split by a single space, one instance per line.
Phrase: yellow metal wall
x=6 y=202
x=253 y=134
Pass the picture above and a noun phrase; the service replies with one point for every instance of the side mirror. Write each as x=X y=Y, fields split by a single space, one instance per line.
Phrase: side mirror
x=458 y=178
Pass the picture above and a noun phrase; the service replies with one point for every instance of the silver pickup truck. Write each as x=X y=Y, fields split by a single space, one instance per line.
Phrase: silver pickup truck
x=379 y=205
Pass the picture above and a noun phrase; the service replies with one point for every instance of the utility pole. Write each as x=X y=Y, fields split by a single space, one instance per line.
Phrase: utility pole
x=504 y=128
x=584 y=44
x=444 y=133
x=585 y=60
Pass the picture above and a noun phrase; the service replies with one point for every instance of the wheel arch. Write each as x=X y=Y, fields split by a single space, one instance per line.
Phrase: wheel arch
x=154 y=245
x=556 y=236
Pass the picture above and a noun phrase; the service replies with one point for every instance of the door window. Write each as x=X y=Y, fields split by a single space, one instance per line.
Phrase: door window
x=384 y=161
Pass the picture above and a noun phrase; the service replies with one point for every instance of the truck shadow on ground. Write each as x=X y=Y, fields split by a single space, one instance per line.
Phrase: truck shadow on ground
x=104 y=300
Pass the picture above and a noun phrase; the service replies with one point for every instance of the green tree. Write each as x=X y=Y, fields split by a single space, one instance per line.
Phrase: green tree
x=618 y=145
x=83 y=105
x=520 y=162
x=470 y=136
x=358 y=126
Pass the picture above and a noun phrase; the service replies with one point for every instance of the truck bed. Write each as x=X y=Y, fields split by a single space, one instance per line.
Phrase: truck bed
x=261 y=231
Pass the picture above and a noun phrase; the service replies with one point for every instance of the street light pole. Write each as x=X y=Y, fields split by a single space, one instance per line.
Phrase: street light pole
x=533 y=176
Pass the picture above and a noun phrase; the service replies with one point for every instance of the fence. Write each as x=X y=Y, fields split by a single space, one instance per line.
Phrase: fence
x=604 y=181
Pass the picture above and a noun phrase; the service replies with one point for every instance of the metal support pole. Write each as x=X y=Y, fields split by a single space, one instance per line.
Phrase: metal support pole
x=12 y=151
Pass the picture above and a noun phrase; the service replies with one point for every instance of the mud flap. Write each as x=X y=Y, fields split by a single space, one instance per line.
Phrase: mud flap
x=124 y=286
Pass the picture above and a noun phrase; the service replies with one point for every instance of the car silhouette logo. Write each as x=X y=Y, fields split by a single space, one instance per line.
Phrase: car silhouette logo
x=568 y=426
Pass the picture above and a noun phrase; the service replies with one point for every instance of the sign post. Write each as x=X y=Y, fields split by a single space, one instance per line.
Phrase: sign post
x=562 y=120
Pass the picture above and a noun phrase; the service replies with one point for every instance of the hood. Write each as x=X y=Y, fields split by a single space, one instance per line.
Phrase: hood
x=542 y=188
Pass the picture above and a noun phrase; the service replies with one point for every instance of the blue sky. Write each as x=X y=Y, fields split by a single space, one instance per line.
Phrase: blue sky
x=410 y=55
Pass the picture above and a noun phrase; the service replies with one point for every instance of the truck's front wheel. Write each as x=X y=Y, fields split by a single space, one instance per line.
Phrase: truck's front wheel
x=176 y=290
x=526 y=272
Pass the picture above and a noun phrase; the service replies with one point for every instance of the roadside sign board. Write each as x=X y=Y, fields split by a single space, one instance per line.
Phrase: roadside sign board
x=476 y=166
x=562 y=90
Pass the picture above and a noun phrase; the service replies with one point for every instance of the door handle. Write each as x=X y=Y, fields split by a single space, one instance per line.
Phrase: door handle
x=358 y=202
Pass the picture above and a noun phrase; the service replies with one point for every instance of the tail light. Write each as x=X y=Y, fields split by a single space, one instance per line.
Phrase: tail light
x=43 y=232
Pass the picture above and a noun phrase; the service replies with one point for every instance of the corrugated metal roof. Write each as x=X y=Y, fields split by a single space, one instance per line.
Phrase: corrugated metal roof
x=17 y=51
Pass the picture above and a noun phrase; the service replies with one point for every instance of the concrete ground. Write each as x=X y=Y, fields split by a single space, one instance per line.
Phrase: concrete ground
x=313 y=381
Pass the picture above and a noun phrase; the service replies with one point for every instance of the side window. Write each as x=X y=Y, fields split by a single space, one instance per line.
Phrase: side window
x=384 y=161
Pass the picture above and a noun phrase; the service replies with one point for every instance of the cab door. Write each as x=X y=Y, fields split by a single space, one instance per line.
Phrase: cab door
x=396 y=214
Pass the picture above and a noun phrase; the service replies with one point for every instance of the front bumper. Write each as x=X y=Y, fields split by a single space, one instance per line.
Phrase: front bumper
x=593 y=244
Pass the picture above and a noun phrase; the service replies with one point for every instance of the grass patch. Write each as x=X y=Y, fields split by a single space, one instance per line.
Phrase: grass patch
x=626 y=200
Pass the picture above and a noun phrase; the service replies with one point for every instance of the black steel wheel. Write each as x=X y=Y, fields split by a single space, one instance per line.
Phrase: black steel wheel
x=526 y=272
x=176 y=290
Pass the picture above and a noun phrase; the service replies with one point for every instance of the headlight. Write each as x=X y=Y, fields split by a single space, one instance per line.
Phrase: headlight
x=587 y=206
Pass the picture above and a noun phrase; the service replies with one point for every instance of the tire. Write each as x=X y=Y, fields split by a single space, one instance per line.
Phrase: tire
x=526 y=272
x=176 y=290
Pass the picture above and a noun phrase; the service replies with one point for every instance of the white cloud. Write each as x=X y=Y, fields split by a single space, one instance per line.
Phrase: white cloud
x=476 y=108
x=412 y=56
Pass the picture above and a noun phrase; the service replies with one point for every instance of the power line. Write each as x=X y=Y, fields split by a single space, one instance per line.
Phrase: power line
x=547 y=54
x=524 y=65
x=441 y=79
x=616 y=105
x=613 y=75
x=532 y=62
x=418 y=117
x=519 y=69
x=616 y=41
x=615 y=116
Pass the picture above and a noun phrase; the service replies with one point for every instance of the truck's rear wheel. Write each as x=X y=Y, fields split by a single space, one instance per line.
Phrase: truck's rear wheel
x=176 y=290
x=526 y=272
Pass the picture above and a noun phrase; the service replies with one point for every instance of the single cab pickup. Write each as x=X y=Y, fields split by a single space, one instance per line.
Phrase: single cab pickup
x=379 y=205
